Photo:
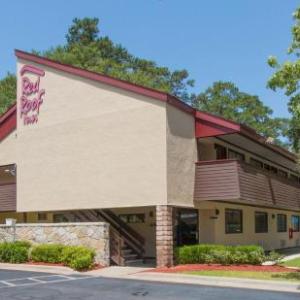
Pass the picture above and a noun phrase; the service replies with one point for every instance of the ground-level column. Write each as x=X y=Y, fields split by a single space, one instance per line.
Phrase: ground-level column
x=164 y=236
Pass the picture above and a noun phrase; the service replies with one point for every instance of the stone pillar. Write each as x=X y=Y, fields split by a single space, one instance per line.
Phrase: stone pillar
x=164 y=236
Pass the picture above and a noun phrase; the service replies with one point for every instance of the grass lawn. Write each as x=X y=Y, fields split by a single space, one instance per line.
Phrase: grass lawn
x=291 y=276
x=292 y=263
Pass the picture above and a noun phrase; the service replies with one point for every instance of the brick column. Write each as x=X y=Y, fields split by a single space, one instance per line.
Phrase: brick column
x=164 y=236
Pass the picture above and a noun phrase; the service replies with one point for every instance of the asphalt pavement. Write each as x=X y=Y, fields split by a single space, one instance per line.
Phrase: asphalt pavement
x=18 y=285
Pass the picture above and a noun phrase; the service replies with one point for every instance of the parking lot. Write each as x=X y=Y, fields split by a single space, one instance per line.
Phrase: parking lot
x=33 y=285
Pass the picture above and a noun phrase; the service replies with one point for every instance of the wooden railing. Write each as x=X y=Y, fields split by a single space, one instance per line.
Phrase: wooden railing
x=7 y=197
x=233 y=180
x=121 y=230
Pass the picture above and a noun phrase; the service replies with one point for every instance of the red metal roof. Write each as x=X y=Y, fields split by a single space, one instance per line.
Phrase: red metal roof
x=8 y=121
x=206 y=124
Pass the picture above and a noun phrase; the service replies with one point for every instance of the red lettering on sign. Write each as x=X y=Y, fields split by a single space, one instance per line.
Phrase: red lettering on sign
x=32 y=96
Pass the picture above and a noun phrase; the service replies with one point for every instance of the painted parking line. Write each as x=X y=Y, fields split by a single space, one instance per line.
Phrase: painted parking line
x=36 y=280
x=3 y=283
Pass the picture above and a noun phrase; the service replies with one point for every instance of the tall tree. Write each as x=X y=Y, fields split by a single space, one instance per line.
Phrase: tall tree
x=226 y=100
x=287 y=77
x=8 y=87
x=86 y=49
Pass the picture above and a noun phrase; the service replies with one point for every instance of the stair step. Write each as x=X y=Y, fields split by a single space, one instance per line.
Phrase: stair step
x=127 y=251
x=134 y=262
x=130 y=256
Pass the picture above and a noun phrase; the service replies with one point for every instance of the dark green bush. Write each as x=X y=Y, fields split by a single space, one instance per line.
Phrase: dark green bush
x=220 y=254
x=78 y=257
x=14 y=252
x=50 y=253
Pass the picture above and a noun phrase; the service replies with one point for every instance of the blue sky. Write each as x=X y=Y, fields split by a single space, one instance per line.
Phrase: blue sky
x=212 y=39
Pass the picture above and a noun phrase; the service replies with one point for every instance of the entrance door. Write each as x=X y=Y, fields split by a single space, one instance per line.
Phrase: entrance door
x=187 y=227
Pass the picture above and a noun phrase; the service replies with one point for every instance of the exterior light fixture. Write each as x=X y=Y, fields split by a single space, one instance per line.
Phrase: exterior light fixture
x=11 y=170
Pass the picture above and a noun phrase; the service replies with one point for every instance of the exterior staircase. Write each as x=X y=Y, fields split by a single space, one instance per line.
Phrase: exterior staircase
x=127 y=247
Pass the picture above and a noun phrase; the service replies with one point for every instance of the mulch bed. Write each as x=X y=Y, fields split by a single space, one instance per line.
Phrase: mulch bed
x=216 y=267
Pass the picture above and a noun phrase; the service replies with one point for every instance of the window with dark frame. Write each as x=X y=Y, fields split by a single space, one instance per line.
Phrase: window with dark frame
x=42 y=217
x=281 y=223
x=261 y=222
x=282 y=173
x=233 y=220
x=294 y=178
x=221 y=152
x=235 y=155
x=296 y=223
x=256 y=163
x=132 y=218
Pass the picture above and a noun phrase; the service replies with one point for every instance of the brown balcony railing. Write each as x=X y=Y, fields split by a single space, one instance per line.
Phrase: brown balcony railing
x=7 y=197
x=233 y=180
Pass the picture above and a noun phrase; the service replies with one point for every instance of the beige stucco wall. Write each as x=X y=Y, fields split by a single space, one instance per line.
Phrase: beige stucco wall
x=94 y=147
x=212 y=227
x=8 y=149
x=181 y=157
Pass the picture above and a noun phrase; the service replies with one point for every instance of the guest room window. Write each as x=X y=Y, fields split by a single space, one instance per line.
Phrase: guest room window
x=235 y=155
x=132 y=218
x=256 y=163
x=233 y=221
x=281 y=223
x=221 y=152
x=261 y=222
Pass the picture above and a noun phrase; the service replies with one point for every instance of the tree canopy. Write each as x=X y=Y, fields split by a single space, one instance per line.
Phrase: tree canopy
x=86 y=49
x=8 y=87
x=226 y=100
x=287 y=77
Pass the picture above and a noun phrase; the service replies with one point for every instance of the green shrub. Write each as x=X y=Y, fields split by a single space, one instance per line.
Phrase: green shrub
x=13 y=252
x=78 y=257
x=50 y=253
x=25 y=244
x=220 y=254
x=275 y=256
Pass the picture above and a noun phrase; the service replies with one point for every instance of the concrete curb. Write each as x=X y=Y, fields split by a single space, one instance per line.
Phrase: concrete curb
x=269 y=285
x=38 y=268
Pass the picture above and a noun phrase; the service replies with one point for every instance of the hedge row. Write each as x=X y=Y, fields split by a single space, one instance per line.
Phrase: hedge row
x=220 y=254
x=76 y=257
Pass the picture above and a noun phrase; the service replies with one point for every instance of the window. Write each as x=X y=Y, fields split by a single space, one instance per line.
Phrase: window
x=233 y=221
x=281 y=223
x=221 y=152
x=256 y=163
x=132 y=218
x=261 y=222
x=60 y=218
x=294 y=177
x=42 y=217
x=235 y=155
x=296 y=223
x=282 y=173
x=273 y=170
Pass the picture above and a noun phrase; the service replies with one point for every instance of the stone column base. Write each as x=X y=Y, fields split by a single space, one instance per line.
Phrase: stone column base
x=164 y=236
